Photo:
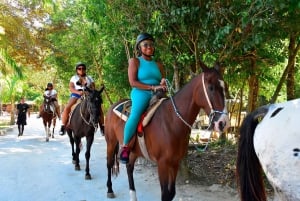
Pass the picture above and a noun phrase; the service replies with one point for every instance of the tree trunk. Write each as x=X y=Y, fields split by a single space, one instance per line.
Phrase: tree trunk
x=12 y=113
x=289 y=71
x=290 y=82
x=253 y=86
x=176 y=78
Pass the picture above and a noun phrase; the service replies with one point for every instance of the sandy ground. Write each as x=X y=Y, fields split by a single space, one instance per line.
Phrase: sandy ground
x=33 y=169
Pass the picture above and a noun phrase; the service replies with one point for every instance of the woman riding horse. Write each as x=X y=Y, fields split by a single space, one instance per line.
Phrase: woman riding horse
x=51 y=94
x=145 y=75
x=166 y=136
x=77 y=84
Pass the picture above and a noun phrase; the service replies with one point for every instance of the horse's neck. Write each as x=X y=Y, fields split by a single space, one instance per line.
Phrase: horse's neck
x=185 y=103
x=83 y=107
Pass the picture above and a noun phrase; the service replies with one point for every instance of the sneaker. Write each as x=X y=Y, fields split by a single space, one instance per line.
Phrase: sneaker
x=62 y=130
x=124 y=154
x=38 y=116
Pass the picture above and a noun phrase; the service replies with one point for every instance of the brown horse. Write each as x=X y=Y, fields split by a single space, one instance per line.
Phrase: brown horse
x=49 y=117
x=167 y=135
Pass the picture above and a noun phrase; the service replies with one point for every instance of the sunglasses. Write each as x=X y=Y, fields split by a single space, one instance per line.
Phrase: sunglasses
x=147 y=45
x=80 y=68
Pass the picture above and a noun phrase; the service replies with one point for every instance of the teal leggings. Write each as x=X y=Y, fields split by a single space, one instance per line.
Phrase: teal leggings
x=140 y=101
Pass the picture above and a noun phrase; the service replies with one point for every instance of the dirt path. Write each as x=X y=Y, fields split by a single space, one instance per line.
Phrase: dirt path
x=32 y=169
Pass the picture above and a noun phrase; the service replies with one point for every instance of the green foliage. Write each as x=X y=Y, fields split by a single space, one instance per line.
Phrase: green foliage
x=102 y=34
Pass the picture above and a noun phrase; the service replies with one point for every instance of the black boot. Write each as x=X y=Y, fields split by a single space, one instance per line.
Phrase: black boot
x=62 y=130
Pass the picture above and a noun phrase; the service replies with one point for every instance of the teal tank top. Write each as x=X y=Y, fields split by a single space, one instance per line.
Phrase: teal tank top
x=148 y=72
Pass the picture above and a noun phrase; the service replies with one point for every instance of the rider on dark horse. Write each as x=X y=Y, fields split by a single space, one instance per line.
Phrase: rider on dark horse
x=76 y=85
x=51 y=94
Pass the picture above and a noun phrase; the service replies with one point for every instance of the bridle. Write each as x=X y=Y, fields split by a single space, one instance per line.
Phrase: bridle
x=212 y=111
x=47 y=107
x=89 y=122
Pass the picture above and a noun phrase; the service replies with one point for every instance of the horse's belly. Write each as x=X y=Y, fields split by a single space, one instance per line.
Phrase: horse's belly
x=277 y=145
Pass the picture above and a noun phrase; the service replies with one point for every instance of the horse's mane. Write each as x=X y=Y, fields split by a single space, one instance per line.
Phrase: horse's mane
x=247 y=158
x=186 y=85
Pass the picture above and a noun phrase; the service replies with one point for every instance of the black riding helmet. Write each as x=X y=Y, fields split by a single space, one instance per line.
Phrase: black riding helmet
x=140 y=38
x=49 y=85
x=80 y=64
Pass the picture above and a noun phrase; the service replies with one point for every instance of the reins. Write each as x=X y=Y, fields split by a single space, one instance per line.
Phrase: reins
x=211 y=115
x=90 y=121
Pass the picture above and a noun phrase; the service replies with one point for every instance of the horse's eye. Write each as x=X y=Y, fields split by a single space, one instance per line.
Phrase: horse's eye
x=211 y=87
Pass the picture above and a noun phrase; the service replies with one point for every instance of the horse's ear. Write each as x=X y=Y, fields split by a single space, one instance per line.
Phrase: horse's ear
x=88 y=89
x=218 y=66
x=102 y=88
x=203 y=66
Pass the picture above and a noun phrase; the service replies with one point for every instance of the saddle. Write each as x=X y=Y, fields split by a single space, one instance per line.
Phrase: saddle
x=79 y=100
x=123 y=110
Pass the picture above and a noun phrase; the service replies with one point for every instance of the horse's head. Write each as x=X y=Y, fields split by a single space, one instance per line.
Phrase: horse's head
x=47 y=104
x=94 y=99
x=212 y=98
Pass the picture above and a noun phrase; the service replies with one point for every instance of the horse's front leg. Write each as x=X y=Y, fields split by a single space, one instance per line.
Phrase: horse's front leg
x=49 y=130
x=72 y=145
x=130 y=168
x=53 y=127
x=46 y=131
x=90 y=140
x=77 y=152
x=167 y=173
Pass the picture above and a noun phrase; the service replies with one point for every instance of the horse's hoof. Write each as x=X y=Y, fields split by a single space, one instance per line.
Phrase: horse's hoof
x=47 y=139
x=77 y=168
x=52 y=136
x=88 y=177
x=111 y=195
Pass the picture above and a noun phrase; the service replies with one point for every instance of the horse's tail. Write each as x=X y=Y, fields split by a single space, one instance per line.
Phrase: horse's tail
x=248 y=169
x=115 y=169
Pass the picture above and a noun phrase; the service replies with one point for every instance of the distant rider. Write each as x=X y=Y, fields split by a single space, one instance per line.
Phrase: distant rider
x=51 y=94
